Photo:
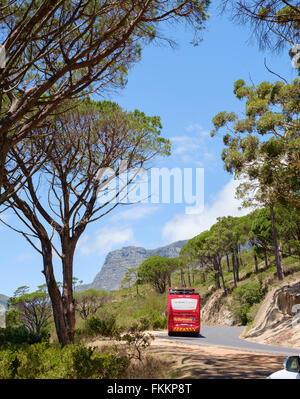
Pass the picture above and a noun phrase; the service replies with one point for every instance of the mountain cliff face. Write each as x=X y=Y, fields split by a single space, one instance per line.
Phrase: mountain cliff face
x=3 y=308
x=119 y=261
x=3 y=300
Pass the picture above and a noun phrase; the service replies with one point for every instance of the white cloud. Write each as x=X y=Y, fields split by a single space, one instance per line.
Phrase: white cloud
x=105 y=239
x=192 y=146
x=135 y=213
x=183 y=226
x=196 y=128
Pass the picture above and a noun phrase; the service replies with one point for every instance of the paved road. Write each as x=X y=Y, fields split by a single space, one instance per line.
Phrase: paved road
x=229 y=337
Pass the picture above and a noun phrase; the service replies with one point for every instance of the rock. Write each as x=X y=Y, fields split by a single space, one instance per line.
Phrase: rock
x=215 y=310
x=277 y=321
x=3 y=300
x=2 y=316
x=119 y=261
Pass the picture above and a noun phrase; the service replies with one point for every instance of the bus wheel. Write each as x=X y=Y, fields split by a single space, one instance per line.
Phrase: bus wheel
x=170 y=334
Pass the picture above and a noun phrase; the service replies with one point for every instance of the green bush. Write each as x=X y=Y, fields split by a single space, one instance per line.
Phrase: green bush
x=21 y=335
x=244 y=297
x=51 y=361
x=88 y=363
x=105 y=327
x=152 y=319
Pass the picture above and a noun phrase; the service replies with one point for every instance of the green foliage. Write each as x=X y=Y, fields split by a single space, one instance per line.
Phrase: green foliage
x=88 y=363
x=271 y=162
x=43 y=360
x=244 y=297
x=136 y=339
x=12 y=318
x=21 y=335
x=152 y=318
x=88 y=302
x=105 y=327
x=156 y=269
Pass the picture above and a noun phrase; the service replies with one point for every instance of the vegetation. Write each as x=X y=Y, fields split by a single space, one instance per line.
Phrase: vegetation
x=33 y=310
x=100 y=142
x=60 y=51
x=88 y=302
x=61 y=153
x=243 y=298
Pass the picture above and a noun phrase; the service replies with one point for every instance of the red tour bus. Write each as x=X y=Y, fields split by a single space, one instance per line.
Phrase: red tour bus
x=183 y=310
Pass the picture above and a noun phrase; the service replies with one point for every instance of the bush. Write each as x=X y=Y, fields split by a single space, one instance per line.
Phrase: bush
x=51 y=361
x=152 y=319
x=244 y=298
x=88 y=363
x=105 y=327
x=21 y=335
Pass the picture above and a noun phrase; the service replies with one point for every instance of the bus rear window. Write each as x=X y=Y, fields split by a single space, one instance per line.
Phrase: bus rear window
x=184 y=304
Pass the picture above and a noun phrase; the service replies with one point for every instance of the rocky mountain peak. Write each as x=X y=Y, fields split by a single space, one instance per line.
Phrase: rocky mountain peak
x=117 y=263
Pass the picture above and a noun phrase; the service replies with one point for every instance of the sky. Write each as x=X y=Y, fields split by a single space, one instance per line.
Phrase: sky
x=186 y=87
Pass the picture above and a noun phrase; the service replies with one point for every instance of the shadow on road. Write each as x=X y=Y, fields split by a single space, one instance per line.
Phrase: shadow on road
x=187 y=335
x=198 y=363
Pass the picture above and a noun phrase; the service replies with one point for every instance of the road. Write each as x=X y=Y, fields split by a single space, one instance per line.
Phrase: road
x=229 y=337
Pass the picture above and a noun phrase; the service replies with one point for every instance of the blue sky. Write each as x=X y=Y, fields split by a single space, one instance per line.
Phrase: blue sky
x=186 y=87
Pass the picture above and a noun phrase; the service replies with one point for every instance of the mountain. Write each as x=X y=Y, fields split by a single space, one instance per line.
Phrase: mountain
x=119 y=261
x=3 y=300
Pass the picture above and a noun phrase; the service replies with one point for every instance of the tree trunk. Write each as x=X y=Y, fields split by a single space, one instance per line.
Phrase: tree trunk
x=54 y=293
x=189 y=276
x=222 y=276
x=266 y=259
x=237 y=265
x=217 y=275
x=228 y=263
x=169 y=280
x=182 y=278
x=278 y=262
x=255 y=264
x=240 y=256
x=233 y=268
x=67 y=294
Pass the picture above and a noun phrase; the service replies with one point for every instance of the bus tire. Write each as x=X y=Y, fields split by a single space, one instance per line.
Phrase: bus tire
x=170 y=334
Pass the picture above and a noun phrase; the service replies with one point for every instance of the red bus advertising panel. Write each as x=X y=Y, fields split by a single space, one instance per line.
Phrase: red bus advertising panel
x=183 y=311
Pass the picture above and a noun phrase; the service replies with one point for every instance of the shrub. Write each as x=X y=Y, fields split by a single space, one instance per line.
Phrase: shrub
x=152 y=319
x=21 y=335
x=51 y=361
x=88 y=363
x=137 y=340
x=243 y=298
x=105 y=327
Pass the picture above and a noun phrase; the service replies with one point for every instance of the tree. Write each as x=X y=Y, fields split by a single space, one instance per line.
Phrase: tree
x=131 y=277
x=208 y=249
x=87 y=148
x=155 y=270
x=275 y=23
x=88 y=302
x=58 y=50
x=263 y=149
x=34 y=308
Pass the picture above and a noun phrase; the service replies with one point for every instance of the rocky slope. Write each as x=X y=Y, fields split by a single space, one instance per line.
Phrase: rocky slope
x=3 y=307
x=278 y=319
x=119 y=261
x=3 y=299
x=214 y=310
